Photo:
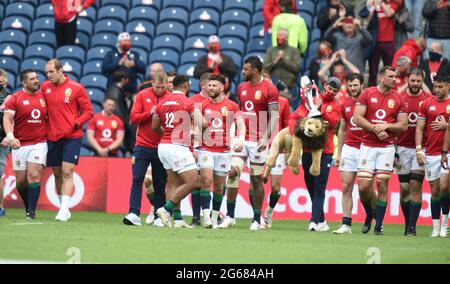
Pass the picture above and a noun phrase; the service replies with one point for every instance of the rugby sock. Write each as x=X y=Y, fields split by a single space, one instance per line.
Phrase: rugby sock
x=251 y=195
x=196 y=205
x=435 y=209
x=414 y=211
x=177 y=215
x=231 y=205
x=60 y=199
x=217 y=201
x=273 y=199
x=24 y=195
x=445 y=201
x=379 y=214
x=65 y=202
x=169 y=206
x=34 y=189
x=367 y=204
x=405 y=209
x=347 y=221
x=256 y=215
x=205 y=198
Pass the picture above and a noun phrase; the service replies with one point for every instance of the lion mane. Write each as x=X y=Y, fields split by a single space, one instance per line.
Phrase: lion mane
x=315 y=142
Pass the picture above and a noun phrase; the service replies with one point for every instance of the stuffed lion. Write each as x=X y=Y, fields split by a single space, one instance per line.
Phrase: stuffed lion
x=310 y=132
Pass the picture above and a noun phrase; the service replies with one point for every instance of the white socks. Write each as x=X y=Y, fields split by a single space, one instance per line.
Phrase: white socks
x=65 y=202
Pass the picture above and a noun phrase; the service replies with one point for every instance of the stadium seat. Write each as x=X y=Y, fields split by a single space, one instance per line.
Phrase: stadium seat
x=320 y=6
x=85 y=25
x=95 y=95
x=94 y=81
x=92 y=67
x=236 y=16
x=259 y=6
x=233 y=30
x=213 y=4
x=34 y=63
x=237 y=57
x=109 y=26
x=195 y=85
x=44 y=37
x=239 y=4
x=89 y=14
x=312 y=49
x=232 y=43
x=203 y=29
x=149 y=3
x=186 y=69
x=168 y=41
x=39 y=50
x=17 y=23
x=196 y=42
x=97 y=53
x=45 y=10
x=143 y=54
x=308 y=19
x=141 y=26
x=14 y=36
x=9 y=64
x=257 y=32
x=174 y=14
x=306 y=6
x=185 y=4
x=85 y=152
x=146 y=13
x=20 y=9
x=124 y=3
x=191 y=56
x=104 y=39
x=83 y=40
x=256 y=45
x=72 y=66
x=11 y=80
x=11 y=50
x=2 y=11
x=257 y=19
x=308 y=62
x=112 y=12
x=171 y=28
x=35 y=3
x=205 y=15
x=141 y=41
x=71 y=52
x=164 y=55
x=314 y=35
x=44 y=24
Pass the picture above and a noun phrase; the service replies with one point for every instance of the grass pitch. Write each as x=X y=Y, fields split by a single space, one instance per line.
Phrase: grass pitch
x=102 y=238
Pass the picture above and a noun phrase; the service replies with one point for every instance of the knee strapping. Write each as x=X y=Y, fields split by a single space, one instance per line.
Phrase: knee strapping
x=256 y=170
x=383 y=176
x=365 y=175
x=404 y=178
x=417 y=177
x=238 y=165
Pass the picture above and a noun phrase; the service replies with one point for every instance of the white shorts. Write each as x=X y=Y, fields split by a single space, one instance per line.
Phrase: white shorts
x=408 y=161
x=176 y=158
x=280 y=165
x=36 y=153
x=374 y=159
x=349 y=159
x=433 y=168
x=250 y=151
x=220 y=163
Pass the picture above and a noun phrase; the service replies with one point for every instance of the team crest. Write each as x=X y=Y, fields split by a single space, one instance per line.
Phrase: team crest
x=68 y=92
x=448 y=108
x=363 y=162
x=42 y=102
x=258 y=95
x=205 y=158
x=428 y=173
x=18 y=163
x=329 y=108
x=224 y=111
x=391 y=104
x=114 y=124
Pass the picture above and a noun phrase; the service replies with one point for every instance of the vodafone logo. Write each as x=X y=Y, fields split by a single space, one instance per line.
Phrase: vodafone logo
x=249 y=106
x=440 y=117
x=380 y=114
x=35 y=114
x=78 y=194
x=352 y=122
x=412 y=117
x=217 y=123
x=106 y=133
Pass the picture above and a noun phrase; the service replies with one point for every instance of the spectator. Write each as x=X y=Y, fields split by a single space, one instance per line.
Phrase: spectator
x=346 y=34
x=384 y=47
x=323 y=56
x=402 y=67
x=436 y=64
x=412 y=49
x=271 y=8
x=335 y=10
x=215 y=61
x=106 y=131
x=3 y=152
x=402 y=26
x=415 y=8
x=437 y=12
x=298 y=31
x=123 y=58
x=283 y=62
x=66 y=12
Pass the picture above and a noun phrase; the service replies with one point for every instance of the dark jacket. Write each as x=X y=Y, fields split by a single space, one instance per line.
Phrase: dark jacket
x=227 y=68
x=111 y=64
x=286 y=69
x=438 y=19
x=323 y=22
x=443 y=70
x=118 y=95
x=401 y=30
x=3 y=95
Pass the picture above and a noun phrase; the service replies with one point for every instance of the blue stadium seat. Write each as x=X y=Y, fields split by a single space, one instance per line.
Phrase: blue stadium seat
x=89 y=14
x=94 y=81
x=14 y=36
x=34 y=63
x=232 y=43
x=148 y=3
x=146 y=13
x=236 y=16
x=85 y=25
x=45 y=10
x=234 y=30
x=204 y=29
x=85 y=152
x=109 y=26
x=308 y=62
x=256 y=45
x=97 y=53
x=71 y=52
x=2 y=10
x=257 y=19
x=72 y=66
x=9 y=64
x=143 y=54
x=104 y=39
x=312 y=49
x=45 y=37
x=191 y=56
x=44 y=24
x=308 y=19
x=35 y=3
x=320 y=6
x=39 y=51
x=171 y=28
x=196 y=42
x=11 y=80
x=168 y=41
x=195 y=85
x=141 y=41
x=141 y=26
x=257 y=32
x=124 y=3
x=205 y=15
x=259 y=5
x=213 y=4
x=92 y=67
x=112 y=12
x=239 y=4
x=237 y=57
x=169 y=67
x=186 y=69
x=174 y=14
x=306 y=6
x=314 y=35
x=164 y=55
x=95 y=95
x=83 y=40
x=20 y=8
x=17 y=23
x=11 y=50
x=186 y=4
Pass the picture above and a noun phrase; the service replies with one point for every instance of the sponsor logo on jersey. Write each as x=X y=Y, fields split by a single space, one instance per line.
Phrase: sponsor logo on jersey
x=329 y=108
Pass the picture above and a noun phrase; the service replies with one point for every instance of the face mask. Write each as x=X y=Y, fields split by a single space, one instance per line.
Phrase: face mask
x=435 y=56
x=125 y=46
x=281 y=41
x=324 y=52
x=329 y=96
x=214 y=48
